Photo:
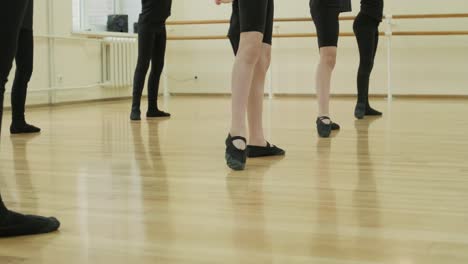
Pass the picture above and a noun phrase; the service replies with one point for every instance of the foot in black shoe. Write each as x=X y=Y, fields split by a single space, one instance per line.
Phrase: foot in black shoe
x=235 y=158
x=324 y=129
x=267 y=151
x=135 y=115
x=23 y=128
x=372 y=112
x=360 y=110
x=157 y=113
x=15 y=224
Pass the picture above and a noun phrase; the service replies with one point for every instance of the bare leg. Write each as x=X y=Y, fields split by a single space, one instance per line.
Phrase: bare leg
x=323 y=80
x=256 y=97
x=247 y=58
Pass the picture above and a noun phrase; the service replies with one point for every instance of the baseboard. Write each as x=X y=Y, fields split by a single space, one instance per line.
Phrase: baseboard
x=281 y=95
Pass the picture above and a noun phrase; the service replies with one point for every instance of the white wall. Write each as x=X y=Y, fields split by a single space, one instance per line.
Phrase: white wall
x=422 y=65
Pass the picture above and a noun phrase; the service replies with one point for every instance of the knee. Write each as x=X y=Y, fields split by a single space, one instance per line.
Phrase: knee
x=24 y=73
x=142 y=64
x=250 y=52
x=366 y=66
x=265 y=61
x=328 y=60
x=157 y=66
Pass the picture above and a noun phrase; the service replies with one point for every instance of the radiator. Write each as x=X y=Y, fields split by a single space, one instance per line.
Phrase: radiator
x=119 y=57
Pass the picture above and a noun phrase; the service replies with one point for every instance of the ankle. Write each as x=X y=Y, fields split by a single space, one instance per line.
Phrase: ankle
x=18 y=121
x=238 y=143
x=237 y=133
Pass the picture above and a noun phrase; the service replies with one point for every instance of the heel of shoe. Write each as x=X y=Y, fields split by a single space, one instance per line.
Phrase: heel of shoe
x=323 y=130
x=235 y=158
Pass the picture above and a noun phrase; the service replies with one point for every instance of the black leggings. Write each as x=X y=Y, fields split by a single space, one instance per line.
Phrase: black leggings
x=24 y=69
x=151 y=48
x=366 y=30
x=3 y=208
x=11 y=19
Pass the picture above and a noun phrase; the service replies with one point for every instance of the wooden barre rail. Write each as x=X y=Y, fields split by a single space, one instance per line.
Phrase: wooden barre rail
x=346 y=34
x=308 y=19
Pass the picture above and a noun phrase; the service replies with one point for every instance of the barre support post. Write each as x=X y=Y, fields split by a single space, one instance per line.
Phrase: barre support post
x=388 y=34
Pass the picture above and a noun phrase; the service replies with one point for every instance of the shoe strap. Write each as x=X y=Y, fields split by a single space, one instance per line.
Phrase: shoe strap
x=321 y=118
x=238 y=138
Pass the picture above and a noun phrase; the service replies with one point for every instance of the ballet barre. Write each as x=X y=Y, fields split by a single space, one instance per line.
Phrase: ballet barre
x=345 y=34
x=388 y=33
x=308 y=19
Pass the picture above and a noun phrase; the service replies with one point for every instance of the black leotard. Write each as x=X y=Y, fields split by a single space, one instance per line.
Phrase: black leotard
x=155 y=12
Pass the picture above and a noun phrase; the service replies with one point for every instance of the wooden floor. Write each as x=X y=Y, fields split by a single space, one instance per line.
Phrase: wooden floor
x=388 y=190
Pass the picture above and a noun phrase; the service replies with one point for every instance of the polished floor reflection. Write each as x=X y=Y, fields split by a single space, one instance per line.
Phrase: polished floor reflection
x=387 y=190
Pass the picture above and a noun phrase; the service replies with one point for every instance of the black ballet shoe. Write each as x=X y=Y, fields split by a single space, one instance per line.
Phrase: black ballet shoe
x=267 y=151
x=323 y=129
x=360 y=110
x=135 y=115
x=15 y=224
x=23 y=128
x=235 y=158
x=156 y=113
x=372 y=112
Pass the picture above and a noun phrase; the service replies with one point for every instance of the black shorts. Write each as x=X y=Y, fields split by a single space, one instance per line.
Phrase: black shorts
x=251 y=15
x=327 y=25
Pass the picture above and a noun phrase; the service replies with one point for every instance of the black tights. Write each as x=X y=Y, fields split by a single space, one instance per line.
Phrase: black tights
x=14 y=40
x=151 y=48
x=24 y=69
x=11 y=19
x=366 y=30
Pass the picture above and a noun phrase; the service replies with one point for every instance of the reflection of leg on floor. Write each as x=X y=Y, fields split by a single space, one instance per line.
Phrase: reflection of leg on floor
x=247 y=198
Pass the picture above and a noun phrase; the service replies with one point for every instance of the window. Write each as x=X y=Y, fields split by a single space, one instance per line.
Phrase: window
x=91 y=15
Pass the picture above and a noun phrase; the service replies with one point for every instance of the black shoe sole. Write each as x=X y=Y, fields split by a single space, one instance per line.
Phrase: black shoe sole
x=24 y=132
x=151 y=117
x=374 y=114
